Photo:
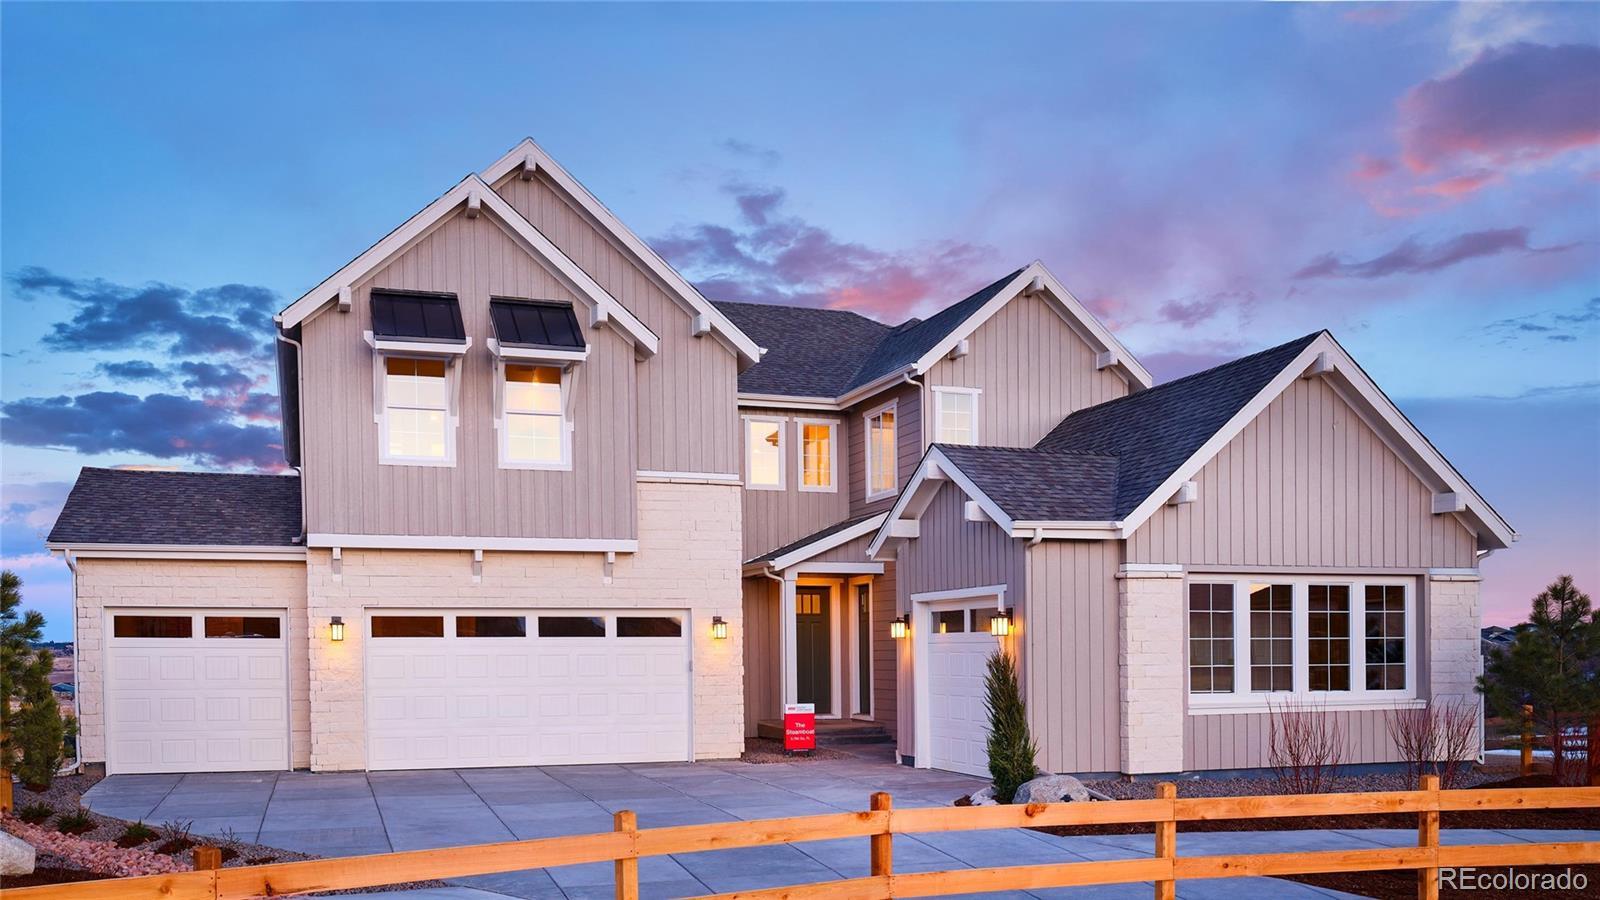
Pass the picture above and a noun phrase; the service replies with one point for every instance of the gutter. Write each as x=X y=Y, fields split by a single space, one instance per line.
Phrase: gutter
x=300 y=419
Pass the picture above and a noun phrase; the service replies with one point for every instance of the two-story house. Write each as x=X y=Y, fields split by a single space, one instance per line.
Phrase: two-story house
x=553 y=506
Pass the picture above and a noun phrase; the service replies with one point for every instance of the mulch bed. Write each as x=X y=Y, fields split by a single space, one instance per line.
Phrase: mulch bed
x=763 y=751
x=51 y=875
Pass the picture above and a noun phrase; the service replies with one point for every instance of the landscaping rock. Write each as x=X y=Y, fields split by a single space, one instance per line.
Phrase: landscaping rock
x=984 y=797
x=1052 y=789
x=16 y=855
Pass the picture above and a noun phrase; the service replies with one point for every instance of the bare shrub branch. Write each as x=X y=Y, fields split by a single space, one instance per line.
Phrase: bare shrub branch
x=1304 y=747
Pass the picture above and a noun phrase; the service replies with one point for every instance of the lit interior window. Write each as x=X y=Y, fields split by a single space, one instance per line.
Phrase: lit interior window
x=416 y=407
x=881 y=451
x=533 y=414
x=765 y=449
x=817 y=455
x=957 y=417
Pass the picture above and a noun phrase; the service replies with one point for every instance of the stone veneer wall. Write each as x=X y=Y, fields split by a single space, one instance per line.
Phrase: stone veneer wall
x=174 y=583
x=1454 y=655
x=689 y=556
x=1150 y=617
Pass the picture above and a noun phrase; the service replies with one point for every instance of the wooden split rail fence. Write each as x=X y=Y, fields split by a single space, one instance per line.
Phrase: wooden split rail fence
x=627 y=844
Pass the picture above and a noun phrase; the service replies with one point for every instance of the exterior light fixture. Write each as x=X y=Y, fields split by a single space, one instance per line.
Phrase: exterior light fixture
x=1000 y=623
x=719 y=628
x=898 y=627
x=336 y=628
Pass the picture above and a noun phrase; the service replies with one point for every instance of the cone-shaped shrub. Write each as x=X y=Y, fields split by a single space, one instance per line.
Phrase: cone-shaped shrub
x=1011 y=746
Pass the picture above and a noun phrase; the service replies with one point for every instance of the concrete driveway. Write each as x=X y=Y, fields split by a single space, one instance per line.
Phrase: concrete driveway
x=350 y=814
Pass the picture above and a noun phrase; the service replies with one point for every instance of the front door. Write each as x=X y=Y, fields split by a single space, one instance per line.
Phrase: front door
x=813 y=653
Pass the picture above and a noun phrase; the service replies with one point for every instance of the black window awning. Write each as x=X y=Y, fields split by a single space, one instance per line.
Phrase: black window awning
x=544 y=324
x=408 y=316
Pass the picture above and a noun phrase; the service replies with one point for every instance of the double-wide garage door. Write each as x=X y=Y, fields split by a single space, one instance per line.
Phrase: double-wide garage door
x=526 y=687
x=196 y=690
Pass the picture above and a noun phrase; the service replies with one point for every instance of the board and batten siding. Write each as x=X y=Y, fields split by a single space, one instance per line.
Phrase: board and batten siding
x=1307 y=487
x=763 y=679
x=773 y=519
x=1306 y=484
x=951 y=553
x=908 y=440
x=1033 y=370
x=688 y=393
x=348 y=491
x=1068 y=625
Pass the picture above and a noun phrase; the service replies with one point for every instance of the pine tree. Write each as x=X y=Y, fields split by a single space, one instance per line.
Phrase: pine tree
x=32 y=732
x=1012 y=750
x=1552 y=665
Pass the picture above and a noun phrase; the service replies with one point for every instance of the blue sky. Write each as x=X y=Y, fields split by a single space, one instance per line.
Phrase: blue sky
x=1424 y=180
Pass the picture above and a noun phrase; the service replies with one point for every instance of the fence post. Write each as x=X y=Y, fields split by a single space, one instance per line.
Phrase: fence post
x=207 y=857
x=1527 y=739
x=883 y=844
x=1593 y=751
x=1167 y=839
x=627 y=867
x=1428 y=837
x=5 y=790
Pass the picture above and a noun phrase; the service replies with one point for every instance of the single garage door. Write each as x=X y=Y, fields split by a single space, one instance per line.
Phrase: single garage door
x=526 y=687
x=959 y=645
x=202 y=690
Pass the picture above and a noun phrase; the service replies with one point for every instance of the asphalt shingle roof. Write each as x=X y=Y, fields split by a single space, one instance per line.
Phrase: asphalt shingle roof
x=829 y=352
x=1153 y=432
x=120 y=506
x=835 y=528
x=1041 y=485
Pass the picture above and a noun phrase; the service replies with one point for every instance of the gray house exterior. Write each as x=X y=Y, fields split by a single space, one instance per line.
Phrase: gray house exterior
x=551 y=505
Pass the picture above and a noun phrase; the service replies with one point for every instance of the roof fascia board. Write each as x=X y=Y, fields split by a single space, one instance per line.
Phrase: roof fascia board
x=457 y=542
x=914 y=501
x=264 y=553
x=824 y=544
x=678 y=286
x=783 y=401
x=1077 y=316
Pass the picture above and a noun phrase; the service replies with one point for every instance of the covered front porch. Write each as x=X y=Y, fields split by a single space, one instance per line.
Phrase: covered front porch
x=817 y=631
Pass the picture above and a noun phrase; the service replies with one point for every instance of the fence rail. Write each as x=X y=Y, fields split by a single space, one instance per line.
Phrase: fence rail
x=625 y=845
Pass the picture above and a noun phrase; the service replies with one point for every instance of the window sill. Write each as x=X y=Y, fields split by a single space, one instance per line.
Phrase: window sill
x=1208 y=707
x=426 y=463
x=881 y=495
x=538 y=467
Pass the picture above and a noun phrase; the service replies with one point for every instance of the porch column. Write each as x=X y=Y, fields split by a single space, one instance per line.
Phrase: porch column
x=787 y=651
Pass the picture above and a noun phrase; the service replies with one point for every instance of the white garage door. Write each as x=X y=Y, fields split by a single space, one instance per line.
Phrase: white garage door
x=959 y=645
x=196 y=690
x=525 y=687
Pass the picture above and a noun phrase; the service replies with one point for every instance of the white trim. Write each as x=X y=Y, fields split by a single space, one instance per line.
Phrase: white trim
x=783 y=401
x=176 y=551
x=859 y=604
x=918 y=494
x=749 y=449
x=394 y=347
x=823 y=544
x=987 y=590
x=1037 y=276
x=457 y=542
x=653 y=476
x=502 y=419
x=1149 y=570
x=839 y=568
x=893 y=406
x=938 y=413
x=527 y=155
x=426 y=219
x=832 y=487
x=380 y=412
x=1242 y=699
x=536 y=354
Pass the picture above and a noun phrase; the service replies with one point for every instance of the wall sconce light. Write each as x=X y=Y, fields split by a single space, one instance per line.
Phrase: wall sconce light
x=336 y=628
x=1000 y=623
x=719 y=628
x=898 y=627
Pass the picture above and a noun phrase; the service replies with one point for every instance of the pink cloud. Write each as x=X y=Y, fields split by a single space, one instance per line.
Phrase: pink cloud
x=1459 y=185
x=1413 y=257
x=1519 y=103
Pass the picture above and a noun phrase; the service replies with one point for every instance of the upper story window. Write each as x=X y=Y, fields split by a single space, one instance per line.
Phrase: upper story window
x=417 y=338
x=538 y=347
x=955 y=415
x=416 y=423
x=819 y=455
x=882 y=474
x=1254 y=642
x=763 y=453
x=534 y=425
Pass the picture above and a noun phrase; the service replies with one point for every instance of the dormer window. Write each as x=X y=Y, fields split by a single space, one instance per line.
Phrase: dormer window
x=417 y=339
x=538 y=346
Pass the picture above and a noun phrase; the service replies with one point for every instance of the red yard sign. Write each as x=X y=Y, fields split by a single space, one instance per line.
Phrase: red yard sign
x=799 y=726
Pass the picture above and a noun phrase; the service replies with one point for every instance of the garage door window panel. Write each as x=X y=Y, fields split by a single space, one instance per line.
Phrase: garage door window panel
x=649 y=627
x=407 y=626
x=572 y=626
x=491 y=626
x=246 y=627
x=152 y=626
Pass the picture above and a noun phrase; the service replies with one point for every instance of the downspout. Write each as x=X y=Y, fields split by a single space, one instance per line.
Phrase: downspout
x=300 y=422
x=77 y=670
x=1038 y=535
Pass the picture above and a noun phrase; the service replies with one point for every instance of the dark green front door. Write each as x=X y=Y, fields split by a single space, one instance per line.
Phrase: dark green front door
x=813 y=656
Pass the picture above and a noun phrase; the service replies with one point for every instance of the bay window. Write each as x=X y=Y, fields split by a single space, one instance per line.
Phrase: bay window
x=818 y=455
x=882 y=476
x=1341 y=642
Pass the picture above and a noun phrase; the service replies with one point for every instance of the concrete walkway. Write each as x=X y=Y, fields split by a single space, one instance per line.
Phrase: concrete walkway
x=351 y=814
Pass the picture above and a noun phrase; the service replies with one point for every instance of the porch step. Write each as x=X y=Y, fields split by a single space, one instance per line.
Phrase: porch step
x=832 y=732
